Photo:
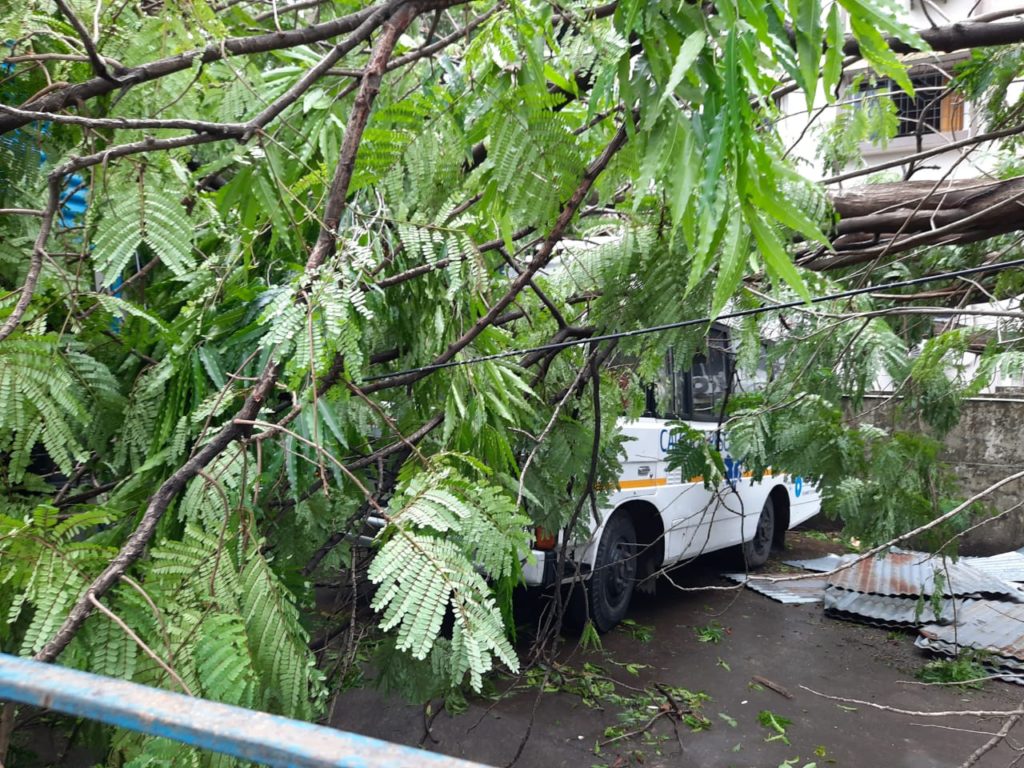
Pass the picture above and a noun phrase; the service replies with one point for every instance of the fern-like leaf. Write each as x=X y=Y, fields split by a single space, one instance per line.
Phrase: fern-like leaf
x=442 y=529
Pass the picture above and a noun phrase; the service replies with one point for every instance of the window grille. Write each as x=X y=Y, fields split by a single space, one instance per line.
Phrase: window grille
x=929 y=107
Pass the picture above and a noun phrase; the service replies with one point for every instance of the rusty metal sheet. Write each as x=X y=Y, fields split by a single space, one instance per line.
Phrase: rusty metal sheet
x=986 y=625
x=884 y=610
x=909 y=574
x=789 y=591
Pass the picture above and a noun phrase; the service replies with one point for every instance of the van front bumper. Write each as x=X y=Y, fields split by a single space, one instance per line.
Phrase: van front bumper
x=543 y=570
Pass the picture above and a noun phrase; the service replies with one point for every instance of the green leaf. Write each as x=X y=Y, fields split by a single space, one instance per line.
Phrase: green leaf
x=688 y=52
x=775 y=257
x=683 y=178
x=792 y=217
x=734 y=252
x=884 y=16
x=834 y=39
x=807 y=26
x=118 y=306
x=168 y=231
x=876 y=50
x=118 y=236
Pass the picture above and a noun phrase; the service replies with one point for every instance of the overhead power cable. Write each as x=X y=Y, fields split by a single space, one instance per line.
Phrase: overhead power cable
x=703 y=320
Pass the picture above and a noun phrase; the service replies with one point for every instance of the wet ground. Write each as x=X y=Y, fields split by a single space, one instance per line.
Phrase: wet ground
x=755 y=654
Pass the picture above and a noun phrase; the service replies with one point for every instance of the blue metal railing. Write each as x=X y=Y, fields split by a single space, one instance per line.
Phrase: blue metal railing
x=244 y=733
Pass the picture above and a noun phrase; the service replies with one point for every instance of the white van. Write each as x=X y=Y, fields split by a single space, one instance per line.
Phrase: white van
x=656 y=518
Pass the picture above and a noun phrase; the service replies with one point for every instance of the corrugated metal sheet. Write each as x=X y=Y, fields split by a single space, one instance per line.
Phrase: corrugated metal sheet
x=998 y=666
x=884 y=610
x=1008 y=565
x=985 y=625
x=952 y=649
x=913 y=573
x=789 y=591
x=821 y=564
x=1007 y=669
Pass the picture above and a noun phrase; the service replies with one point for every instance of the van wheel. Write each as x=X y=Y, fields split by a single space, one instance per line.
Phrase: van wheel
x=611 y=584
x=755 y=552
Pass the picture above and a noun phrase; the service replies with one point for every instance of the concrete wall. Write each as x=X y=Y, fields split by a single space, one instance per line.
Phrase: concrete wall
x=986 y=446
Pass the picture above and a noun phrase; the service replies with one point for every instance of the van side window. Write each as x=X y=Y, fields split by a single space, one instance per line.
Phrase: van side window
x=661 y=397
x=709 y=377
x=681 y=395
x=692 y=388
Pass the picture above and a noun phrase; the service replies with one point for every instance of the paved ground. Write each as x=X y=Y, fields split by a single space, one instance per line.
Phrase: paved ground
x=792 y=647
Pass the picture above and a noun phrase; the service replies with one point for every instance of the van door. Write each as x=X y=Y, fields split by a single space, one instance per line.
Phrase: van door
x=642 y=470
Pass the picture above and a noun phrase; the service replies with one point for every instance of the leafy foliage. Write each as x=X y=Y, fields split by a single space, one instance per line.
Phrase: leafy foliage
x=144 y=215
x=965 y=671
x=692 y=453
x=49 y=399
x=442 y=524
x=159 y=308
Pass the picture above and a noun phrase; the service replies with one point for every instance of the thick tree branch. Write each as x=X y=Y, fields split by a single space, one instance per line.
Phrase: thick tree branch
x=432 y=48
x=892 y=218
x=236 y=46
x=970 y=141
x=35 y=266
x=136 y=544
x=303 y=84
x=238 y=426
x=337 y=197
x=956 y=37
x=994 y=742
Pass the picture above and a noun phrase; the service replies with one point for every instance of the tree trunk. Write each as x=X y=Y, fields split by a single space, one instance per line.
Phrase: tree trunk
x=881 y=219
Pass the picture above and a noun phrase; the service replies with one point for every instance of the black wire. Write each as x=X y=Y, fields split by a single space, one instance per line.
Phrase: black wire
x=701 y=321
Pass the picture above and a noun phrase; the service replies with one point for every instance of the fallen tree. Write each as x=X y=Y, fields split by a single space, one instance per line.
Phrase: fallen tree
x=879 y=220
x=240 y=346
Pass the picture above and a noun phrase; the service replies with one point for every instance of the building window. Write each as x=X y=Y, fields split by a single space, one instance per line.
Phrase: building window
x=930 y=106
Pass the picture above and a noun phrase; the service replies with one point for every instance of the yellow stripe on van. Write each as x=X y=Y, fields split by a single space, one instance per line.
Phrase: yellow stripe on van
x=651 y=483
x=654 y=482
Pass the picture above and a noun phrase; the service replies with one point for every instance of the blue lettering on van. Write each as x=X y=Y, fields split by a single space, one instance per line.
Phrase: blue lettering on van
x=666 y=439
x=798 y=486
x=733 y=470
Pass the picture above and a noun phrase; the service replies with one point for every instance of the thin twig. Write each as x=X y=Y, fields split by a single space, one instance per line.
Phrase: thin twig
x=138 y=641
x=918 y=713
x=98 y=65
x=157 y=614
x=992 y=743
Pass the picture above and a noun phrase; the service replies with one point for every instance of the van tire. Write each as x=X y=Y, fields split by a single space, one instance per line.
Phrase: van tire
x=611 y=583
x=754 y=553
